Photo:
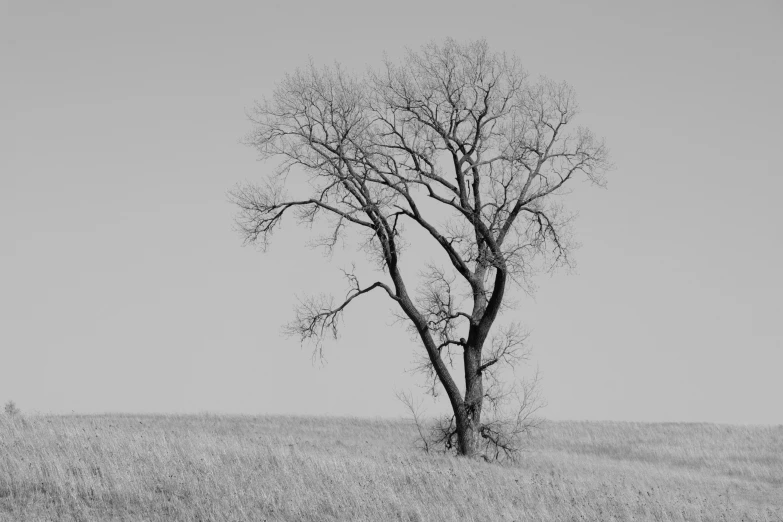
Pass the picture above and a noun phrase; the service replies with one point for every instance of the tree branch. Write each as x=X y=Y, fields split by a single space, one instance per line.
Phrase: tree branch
x=317 y=316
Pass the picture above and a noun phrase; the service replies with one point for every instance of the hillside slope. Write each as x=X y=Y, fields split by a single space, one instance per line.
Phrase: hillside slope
x=204 y=468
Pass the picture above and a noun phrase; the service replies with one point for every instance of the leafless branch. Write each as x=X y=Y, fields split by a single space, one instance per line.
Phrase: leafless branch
x=507 y=347
x=414 y=408
x=319 y=316
x=512 y=413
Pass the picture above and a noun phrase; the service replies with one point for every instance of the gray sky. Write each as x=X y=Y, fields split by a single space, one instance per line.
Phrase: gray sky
x=123 y=287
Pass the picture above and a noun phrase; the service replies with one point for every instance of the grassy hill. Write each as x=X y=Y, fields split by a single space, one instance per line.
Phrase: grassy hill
x=204 y=468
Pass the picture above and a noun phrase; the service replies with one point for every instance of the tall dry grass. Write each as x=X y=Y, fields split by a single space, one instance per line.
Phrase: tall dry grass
x=204 y=468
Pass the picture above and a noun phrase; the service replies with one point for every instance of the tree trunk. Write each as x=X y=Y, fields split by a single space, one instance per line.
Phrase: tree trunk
x=468 y=437
x=469 y=418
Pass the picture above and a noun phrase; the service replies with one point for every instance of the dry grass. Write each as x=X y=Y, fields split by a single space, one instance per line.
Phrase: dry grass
x=203 y=468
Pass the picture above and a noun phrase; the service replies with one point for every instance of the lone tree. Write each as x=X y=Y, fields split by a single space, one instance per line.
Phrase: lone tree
x=455 y=140
x=11 y=408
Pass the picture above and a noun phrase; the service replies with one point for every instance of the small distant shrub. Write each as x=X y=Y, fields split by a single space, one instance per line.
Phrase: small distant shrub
x=11 y=408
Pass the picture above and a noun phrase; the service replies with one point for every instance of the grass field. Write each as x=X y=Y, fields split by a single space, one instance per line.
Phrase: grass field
x=204 y=468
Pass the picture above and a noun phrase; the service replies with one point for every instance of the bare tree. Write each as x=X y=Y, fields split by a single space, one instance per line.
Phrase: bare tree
x=455 y=140
x=11 y=409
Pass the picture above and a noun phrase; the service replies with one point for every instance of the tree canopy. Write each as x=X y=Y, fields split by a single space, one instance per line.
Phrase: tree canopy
x=458 y=141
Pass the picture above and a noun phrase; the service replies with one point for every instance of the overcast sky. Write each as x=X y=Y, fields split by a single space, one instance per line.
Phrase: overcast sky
x=123 y=287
